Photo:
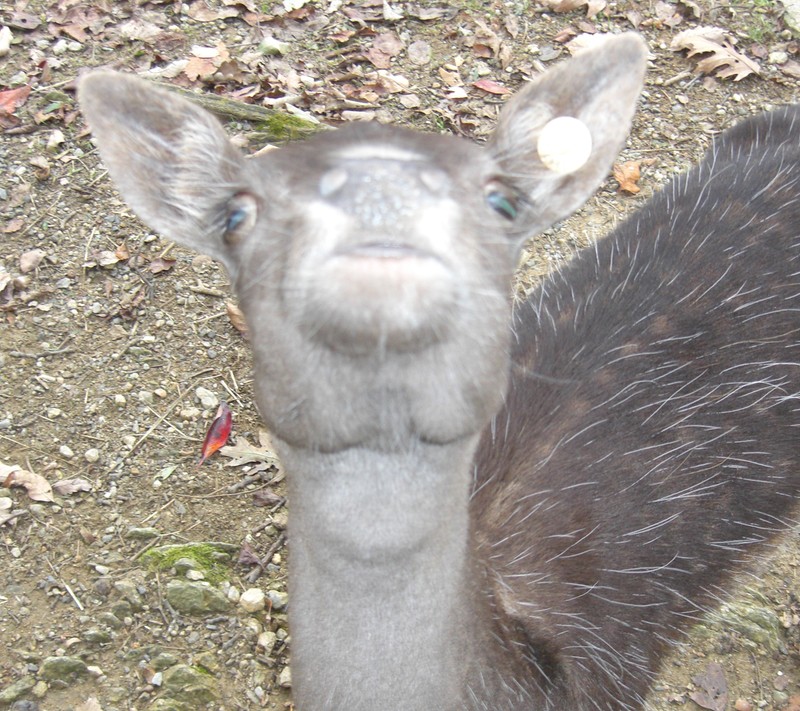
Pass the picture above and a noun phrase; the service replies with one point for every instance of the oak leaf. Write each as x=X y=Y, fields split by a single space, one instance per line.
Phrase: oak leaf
x=718 y=44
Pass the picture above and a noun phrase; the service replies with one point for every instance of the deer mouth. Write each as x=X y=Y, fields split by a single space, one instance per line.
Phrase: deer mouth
x=380 y=296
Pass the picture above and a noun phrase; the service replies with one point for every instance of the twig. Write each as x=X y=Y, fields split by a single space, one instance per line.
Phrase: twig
x=42 y=354
x=255 y=574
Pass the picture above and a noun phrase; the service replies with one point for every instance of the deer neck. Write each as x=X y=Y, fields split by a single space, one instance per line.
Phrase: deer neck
x=380 y=577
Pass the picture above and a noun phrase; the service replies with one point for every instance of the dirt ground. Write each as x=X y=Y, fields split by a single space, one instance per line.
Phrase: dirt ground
x=107 y=332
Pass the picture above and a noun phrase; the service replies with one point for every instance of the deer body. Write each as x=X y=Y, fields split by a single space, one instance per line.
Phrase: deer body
x=485 y=517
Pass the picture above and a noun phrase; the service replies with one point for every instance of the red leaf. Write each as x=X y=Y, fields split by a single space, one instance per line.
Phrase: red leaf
x=492 y=87
x=11 y=99
x=217 y=434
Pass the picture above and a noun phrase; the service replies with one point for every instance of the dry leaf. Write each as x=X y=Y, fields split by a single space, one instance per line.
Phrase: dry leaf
x=712 y=693
x=487 y=41
x=24 y=21
x=65 y=487
x=668 y=14
x=141 y=30
x=449 y=78
x=42 y=166
x=266 y=497
x=200 y=12
x=30 y=260
x=563 y=5
x=245 y=453
x=248 y=5
x=103 y=258
x=491 y=87
x=12 y=99
x=236 y=317
x=217 y=433
x=627 y=175
x=247 y=556
x=36 y=486
x=161 y=264
x=385 y=46
x=693 y=7
x=205 y=61
x=719 y=44
x=593 y=7
x=15 y=224
x=456 y=92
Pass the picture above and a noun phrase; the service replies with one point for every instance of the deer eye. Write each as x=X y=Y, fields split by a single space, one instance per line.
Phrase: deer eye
x=242 y=210
x=501 y=201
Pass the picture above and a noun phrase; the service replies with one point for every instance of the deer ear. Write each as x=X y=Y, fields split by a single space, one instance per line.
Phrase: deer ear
x=557 y=138
x=170 y=159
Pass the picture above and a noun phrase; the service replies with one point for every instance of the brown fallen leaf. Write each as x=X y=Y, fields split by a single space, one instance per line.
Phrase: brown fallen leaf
x=15 y=224
x=491 y=87
x=200 y=12
x=102 y=258
x=65 y=487
x=247 y=556
x=161 y=264
x=245 y=453
x=206 y=61
x=30 y=260
x=593 y=7
x=449 y=78
x=12 y=99
x=266 y=497
x=236 y=317
x=667 y=14
x=35 y=485
x=385 y=47
x=627 y=175
x=712 y=693
x=716 y=42
x=24 y=21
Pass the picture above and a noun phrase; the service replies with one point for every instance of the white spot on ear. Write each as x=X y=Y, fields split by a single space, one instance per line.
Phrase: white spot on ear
x=564 y=144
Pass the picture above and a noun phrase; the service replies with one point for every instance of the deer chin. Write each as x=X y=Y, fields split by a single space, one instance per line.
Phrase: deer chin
x=378 y=298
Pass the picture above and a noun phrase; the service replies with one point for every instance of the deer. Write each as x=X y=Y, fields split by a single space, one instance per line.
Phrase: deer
x=497 y=503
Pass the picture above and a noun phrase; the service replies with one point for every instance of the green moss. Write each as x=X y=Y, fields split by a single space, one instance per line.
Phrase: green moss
x=286 y=127
x=210 y=558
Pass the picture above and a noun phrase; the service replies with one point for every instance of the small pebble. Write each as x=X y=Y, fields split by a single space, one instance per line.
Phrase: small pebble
x=253 y=600
x=278 y=599
x=207 y=399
